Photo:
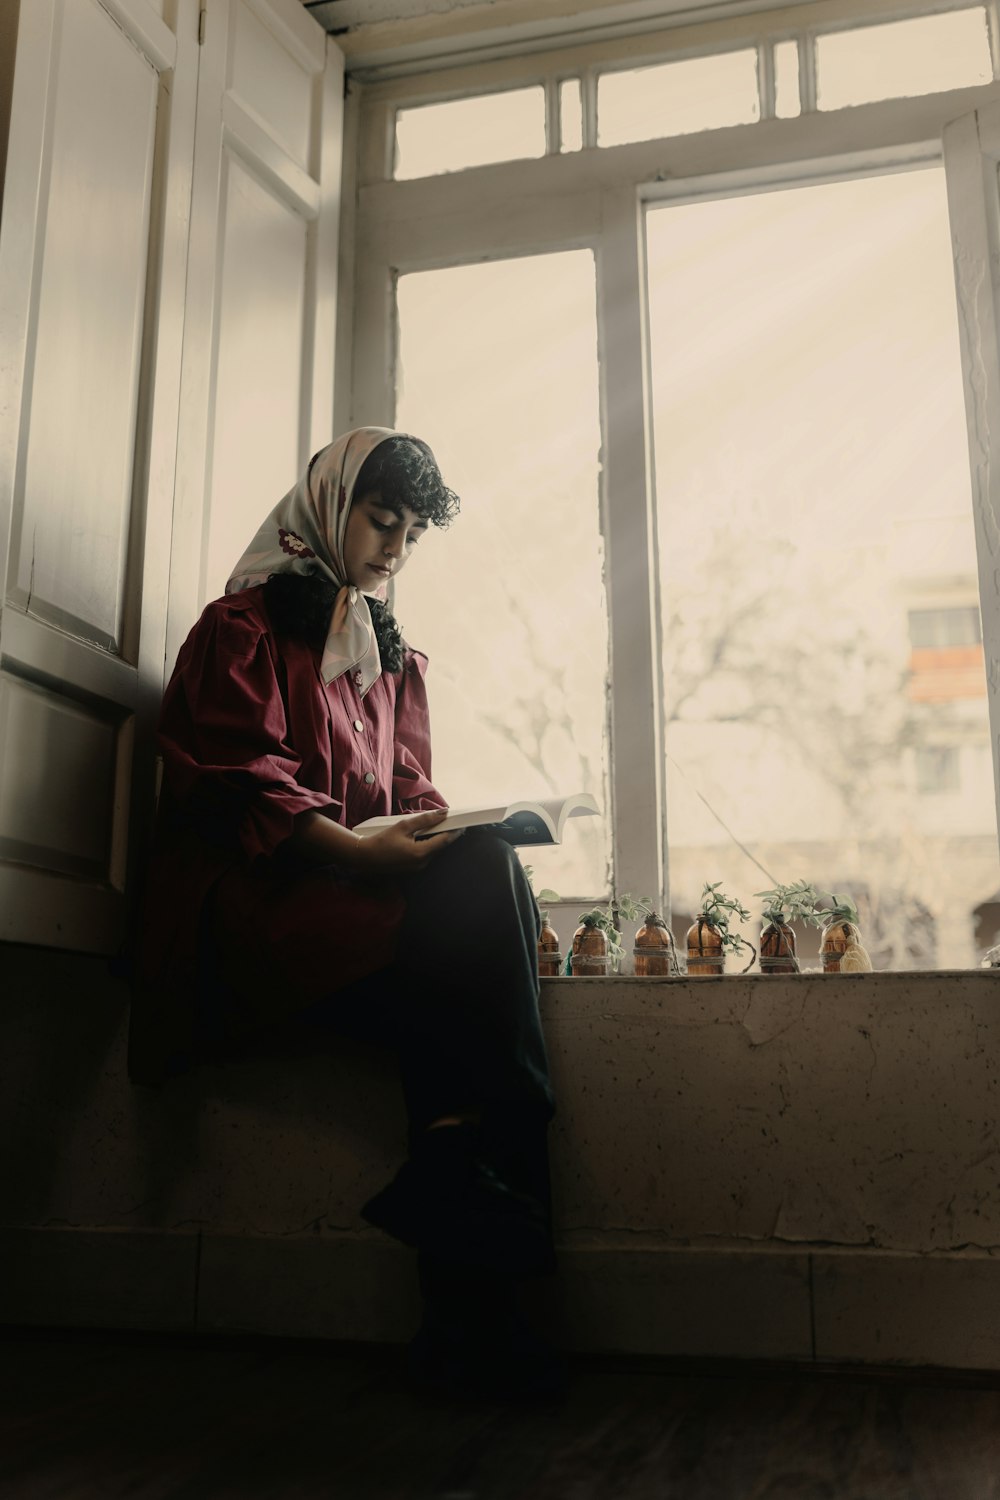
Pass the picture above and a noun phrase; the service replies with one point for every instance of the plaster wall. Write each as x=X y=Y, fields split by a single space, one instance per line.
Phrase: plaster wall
x=790 y=1167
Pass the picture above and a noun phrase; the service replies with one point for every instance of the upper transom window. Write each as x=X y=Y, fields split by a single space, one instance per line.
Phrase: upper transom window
x=470 y=132
x=676 y=98
x=924 y=55
x=769 y=77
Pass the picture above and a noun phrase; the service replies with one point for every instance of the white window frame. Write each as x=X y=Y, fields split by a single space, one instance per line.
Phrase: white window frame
x=597 y=199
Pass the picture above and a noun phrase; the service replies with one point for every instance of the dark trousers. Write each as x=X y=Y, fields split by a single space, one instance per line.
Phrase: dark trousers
x=459 y=1006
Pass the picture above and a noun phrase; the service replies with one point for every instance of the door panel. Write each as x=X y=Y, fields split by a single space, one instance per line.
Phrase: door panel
x=273 y=83
x=57 y=770
x=260 y=373
x=71 y=533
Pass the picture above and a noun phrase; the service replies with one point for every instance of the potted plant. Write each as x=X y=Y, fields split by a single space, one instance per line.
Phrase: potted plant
x=782 y=906
x=654 y=951
x=709 y=938
x=549 y=955
x=597 y=942
x=841 y=948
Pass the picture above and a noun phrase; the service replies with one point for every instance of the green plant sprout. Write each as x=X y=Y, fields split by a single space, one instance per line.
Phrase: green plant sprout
x=842 y=909
x=719 y=909
x=797 y=902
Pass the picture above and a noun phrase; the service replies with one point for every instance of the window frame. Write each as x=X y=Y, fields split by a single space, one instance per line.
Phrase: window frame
x=597 y=198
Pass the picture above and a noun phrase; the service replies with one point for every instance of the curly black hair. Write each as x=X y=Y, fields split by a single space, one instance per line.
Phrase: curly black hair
x=301 y=604
x=404 y=471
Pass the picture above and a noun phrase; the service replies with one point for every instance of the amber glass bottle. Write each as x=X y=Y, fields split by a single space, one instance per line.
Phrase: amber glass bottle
x=705 y=953
x=549 y=957
x=777 y=948
x=589 y=954
x=654 y=950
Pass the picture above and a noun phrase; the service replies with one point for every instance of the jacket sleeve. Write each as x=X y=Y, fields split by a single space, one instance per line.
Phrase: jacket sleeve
x=412 y=788
x=231 y=772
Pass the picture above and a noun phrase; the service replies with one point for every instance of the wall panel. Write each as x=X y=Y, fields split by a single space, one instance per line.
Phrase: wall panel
x=260 y=366
x=71 y=529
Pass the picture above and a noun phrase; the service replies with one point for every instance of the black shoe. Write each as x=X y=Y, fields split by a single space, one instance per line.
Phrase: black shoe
x=472 y=1218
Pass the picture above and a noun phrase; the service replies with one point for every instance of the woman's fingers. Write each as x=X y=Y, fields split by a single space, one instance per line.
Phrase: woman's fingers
x=406 y=845
x=419 y=822
x=418 y=832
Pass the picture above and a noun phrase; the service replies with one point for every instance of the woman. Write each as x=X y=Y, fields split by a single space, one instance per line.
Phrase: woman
x=295 y=712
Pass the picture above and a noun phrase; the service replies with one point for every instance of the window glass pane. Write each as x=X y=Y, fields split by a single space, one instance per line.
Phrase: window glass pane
x=922 y=56
x=676 y=98
x=471 y=132
x=498 y=371
x=813 y=496
x=945 y=627
x=571 y=114
x=937 y=768
x=786 y=80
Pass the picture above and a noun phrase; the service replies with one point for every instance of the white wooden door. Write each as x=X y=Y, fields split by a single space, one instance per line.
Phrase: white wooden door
x=257 y=390
x=92 y=264
x=972 y=165
x=168 y=260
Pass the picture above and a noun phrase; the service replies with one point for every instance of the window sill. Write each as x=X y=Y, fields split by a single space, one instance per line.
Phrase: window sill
x=754 y=977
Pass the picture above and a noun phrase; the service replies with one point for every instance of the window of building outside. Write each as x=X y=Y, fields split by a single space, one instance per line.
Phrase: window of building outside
x=938 y=768
x=940 y=628
x=808 y=405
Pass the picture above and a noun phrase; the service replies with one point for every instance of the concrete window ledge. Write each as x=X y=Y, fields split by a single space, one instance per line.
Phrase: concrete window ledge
x=790 y=1167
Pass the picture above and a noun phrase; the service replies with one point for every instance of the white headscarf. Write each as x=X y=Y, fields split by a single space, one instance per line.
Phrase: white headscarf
x=305 y=534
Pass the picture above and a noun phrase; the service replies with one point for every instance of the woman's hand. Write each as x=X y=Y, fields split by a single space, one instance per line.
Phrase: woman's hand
x=398 y=850
x=390 y=851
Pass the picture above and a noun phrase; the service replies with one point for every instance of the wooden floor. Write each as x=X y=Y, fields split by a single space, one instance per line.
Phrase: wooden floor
x=144 y=1416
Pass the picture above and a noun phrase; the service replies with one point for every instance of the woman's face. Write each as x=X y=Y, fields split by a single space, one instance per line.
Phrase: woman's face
x=378 y=541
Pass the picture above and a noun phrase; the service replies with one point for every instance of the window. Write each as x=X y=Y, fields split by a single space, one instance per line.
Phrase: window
x=946 y=653
x=698 y=93
x=920 y=56
x=793 y=378
x=786 y=80
x=469 y=132
x=945 y=627
x=498 y=371
x=613 y=105
x=782 y=430
x=937 y=768
x=570 y=114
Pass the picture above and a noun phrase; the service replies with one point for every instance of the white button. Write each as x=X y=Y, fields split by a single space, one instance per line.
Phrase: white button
x=358 y=725
x=369 y=777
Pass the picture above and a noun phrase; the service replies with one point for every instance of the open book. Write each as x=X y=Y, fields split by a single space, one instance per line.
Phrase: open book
x=517 y=822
